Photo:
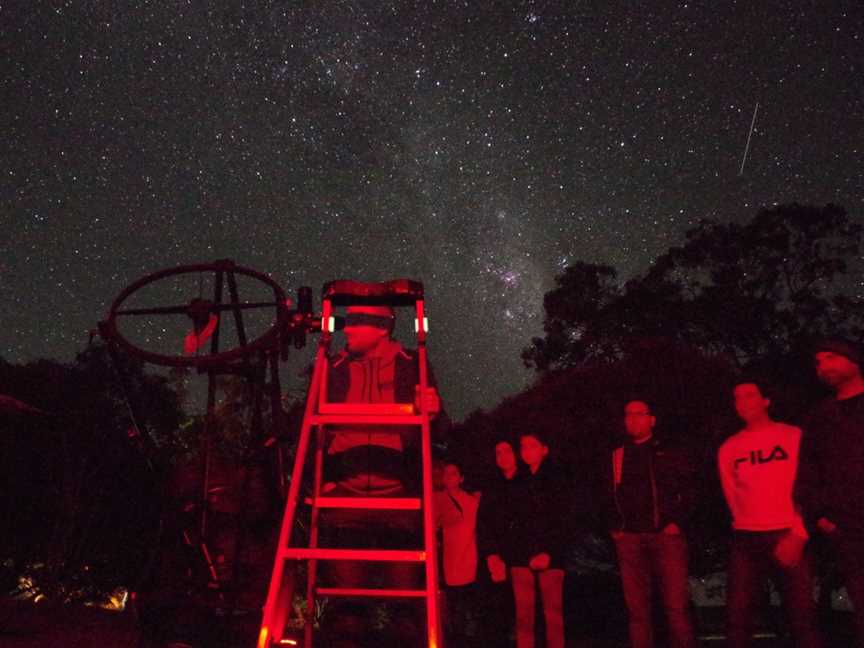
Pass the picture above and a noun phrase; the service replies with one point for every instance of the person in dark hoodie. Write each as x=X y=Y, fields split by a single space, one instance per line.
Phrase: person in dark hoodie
x=653 y=493
x=494 y=526
x=494 y=518
x=830 y=481
x=541 y=513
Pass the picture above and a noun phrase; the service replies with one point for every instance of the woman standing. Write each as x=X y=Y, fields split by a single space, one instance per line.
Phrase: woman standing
x=494 y=530
x=541 y=515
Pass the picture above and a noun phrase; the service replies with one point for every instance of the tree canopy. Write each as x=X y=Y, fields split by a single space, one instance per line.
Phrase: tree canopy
x=748 y=291
x=78 y=491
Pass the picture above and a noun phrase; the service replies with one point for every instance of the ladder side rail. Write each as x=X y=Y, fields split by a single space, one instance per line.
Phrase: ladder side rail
x=433 y=621
x=432 y=609
x=318 y=374
x=312 y=564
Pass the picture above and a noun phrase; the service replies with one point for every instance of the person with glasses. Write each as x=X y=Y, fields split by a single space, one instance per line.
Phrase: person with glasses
x=653 y=493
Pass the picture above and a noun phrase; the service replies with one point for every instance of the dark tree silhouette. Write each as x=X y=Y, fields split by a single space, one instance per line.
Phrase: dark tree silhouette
x=79 y=492
x=749 y=291
x=578 y=325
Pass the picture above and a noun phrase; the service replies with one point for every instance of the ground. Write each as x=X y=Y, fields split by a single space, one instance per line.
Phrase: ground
x=42 y=625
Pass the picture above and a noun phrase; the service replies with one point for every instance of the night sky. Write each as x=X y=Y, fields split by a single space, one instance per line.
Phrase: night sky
x=475 y=147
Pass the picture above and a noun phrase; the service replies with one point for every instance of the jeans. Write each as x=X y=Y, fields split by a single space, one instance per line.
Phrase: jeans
x=751 y=562
x=525 y=584
x=642 y=557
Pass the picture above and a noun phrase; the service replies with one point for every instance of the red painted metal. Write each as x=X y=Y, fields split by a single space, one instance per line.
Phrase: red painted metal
x=399 y=292
x=376 y=555
x=335 y=419
x=433 y=618
x=367 y=409
x=370 y=592
x=270 y=628
x=376 y=503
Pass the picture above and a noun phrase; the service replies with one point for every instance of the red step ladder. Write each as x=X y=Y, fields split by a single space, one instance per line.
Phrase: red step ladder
x=317 y=416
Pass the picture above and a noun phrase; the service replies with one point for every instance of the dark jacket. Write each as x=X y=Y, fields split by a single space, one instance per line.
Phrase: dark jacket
x=542 y=515
x=830 y=479
x=673 y=483
x=495 y=516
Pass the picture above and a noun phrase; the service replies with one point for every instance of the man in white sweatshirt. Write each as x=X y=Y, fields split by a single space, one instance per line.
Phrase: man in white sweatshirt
x=757 y=467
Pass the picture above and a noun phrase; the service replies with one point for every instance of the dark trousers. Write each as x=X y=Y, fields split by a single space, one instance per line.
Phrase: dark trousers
x=496 y=610
x=751 y=563
x=642 y=559
x=849 y=550
x=460 y=622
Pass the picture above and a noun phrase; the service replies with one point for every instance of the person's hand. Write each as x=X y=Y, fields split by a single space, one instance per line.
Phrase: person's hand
x=672 y=529
x=497 y=568
x=430 y=402
x=789 y=549
x=540 y=562
x=826 y=526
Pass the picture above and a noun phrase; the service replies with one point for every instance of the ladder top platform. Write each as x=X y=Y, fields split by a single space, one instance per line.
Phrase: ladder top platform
x=399 y=292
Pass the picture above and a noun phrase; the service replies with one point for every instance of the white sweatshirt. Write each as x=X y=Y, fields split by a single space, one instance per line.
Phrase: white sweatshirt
x=757 y=471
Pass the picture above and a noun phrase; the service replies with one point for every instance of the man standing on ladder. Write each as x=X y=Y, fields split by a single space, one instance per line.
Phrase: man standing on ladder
x=373 y=461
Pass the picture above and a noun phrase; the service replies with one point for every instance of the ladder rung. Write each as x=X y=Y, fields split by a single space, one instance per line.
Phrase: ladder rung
x=382 y=593
x=367 y=409
x=345 y=419
x=380 y=503
x=384 y=555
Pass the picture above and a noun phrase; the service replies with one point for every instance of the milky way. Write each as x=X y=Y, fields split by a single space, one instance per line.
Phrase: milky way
x=477 y=149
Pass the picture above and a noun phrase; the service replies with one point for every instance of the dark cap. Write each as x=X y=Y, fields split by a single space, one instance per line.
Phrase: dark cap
x=839 y=346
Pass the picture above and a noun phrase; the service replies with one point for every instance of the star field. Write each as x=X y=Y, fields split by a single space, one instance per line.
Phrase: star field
x=475 y=147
